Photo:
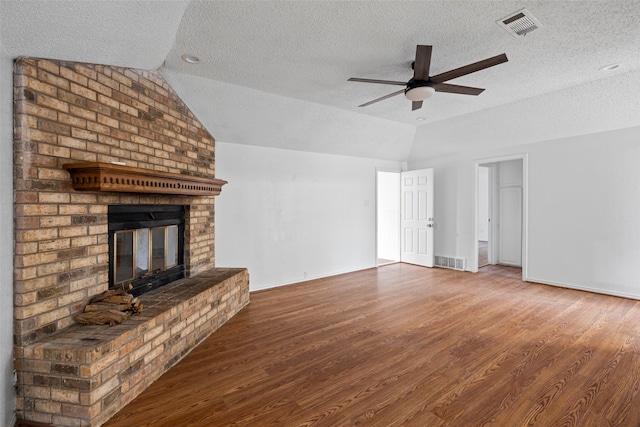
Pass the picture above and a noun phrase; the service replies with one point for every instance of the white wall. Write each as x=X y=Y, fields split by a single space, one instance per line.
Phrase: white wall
x=286 y=213
x=584 y=205
x=597 y=106
x=7 y=397
x=388 y=217
x=247 y=116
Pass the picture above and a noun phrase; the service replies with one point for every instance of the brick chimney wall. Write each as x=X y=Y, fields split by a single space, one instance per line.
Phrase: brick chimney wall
x=71 y=112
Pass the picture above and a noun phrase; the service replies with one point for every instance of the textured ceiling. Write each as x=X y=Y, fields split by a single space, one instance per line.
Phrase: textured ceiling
x=274 y=73
x=308 y=50
x=135 y=34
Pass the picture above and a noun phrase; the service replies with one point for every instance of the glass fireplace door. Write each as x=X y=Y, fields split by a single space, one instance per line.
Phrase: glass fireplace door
x=146 y=246
x=154 y=247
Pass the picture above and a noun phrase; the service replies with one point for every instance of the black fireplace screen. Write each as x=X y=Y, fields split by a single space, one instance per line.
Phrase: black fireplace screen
x=146 y=246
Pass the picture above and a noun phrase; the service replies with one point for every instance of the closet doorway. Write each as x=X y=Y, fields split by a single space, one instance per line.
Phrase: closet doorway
x=501 y=212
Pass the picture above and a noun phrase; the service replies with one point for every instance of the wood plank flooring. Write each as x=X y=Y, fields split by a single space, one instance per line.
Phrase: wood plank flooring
x=403 y=345
x=483 y=253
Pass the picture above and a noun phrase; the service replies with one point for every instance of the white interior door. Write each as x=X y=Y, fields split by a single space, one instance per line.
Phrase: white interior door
x=510 y=213
x=510 y=226
x=417 y=217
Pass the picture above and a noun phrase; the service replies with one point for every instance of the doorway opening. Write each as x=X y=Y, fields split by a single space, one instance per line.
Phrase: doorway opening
x=484 y=217
x=387 y=217
x=501 y=214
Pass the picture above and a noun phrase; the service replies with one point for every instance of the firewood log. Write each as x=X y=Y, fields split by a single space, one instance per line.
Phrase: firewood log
x=111 y=292
x=110 y=307
x=110 y=317
x=99 y=306
x=118 y=299
x=137 y=306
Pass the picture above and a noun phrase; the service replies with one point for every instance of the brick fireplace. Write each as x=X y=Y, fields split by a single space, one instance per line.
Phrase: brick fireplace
x=130 y=121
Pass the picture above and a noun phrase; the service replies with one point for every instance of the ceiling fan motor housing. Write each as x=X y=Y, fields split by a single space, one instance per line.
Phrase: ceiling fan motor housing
x=419 y=90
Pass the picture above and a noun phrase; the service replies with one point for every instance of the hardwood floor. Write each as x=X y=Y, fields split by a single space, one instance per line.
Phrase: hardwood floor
x=403 y=345
x=483 y=253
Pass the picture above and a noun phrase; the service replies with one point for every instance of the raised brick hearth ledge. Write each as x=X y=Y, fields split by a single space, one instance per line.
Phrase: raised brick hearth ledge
x=84 y=374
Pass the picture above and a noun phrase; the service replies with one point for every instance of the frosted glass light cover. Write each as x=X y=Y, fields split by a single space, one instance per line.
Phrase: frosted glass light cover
x=419 y=93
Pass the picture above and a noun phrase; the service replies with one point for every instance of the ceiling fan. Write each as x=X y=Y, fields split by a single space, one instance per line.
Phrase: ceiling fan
x=423 y=86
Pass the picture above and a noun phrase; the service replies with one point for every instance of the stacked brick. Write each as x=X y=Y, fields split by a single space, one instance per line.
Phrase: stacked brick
x=71 y=112
x=85 y=374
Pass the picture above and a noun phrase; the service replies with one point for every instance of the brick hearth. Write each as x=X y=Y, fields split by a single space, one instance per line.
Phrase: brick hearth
x=85 y=374
x=72 y=113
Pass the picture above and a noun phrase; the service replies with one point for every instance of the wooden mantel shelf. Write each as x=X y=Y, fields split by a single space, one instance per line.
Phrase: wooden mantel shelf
x=121 y=178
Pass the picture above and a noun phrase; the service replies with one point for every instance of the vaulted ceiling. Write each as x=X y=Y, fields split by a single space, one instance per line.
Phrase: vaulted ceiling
x=274 y=73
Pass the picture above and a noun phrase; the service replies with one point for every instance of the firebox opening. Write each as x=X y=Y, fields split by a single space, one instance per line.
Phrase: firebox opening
x=146 y=246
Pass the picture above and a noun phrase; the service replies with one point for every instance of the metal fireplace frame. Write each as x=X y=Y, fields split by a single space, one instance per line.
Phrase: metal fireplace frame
x=131 y=217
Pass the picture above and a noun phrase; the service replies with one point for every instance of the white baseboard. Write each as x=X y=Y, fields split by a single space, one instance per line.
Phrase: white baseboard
x=584 y=288
x=528 y=279
x=277 y=285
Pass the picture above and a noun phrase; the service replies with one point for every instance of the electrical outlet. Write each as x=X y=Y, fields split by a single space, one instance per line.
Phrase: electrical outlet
x=305 y=274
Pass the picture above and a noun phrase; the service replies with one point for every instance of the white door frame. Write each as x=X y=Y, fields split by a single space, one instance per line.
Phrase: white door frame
x=525 y=208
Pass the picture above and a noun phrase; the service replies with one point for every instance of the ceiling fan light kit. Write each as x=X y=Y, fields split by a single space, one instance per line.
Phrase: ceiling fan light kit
x=422 y=86
x=419 y=93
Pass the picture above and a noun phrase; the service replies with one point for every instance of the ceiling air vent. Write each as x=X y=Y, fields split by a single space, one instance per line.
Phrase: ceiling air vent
x=519 y=23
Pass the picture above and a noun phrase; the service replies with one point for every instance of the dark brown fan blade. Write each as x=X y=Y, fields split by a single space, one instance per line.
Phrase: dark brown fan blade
x=463 y=90
x=468 y=69
x=382 y=98
x=416 y=105
x=382 y=82
x=423 y=62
